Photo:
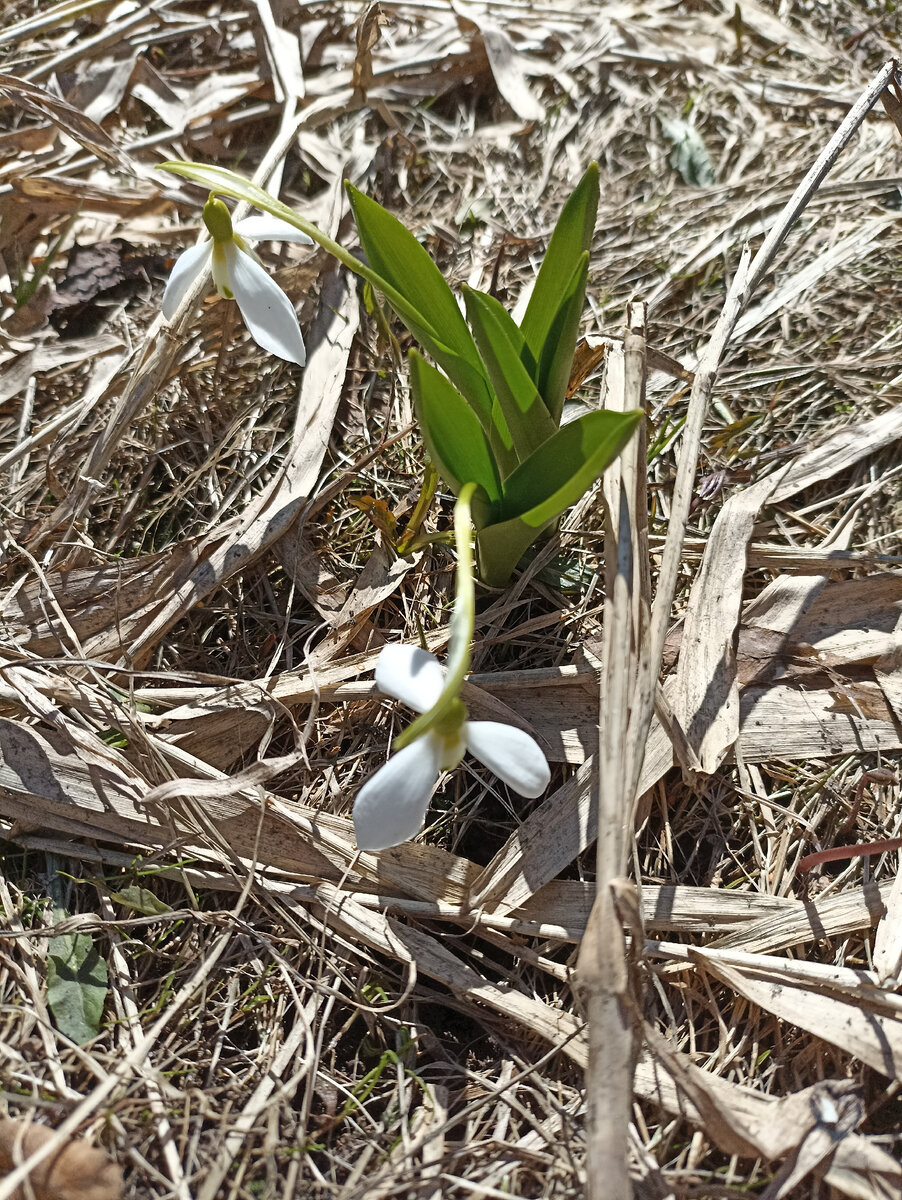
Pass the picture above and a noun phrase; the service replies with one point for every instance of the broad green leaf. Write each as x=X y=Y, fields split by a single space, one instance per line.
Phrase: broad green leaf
x=76 y=985
x=572 y=237
x=557 y=356
x=501 y=443
x=452 y=432
x=502 y=348
x=548 y=482
x=510 y=326
x=397 y=257
x=565 y=466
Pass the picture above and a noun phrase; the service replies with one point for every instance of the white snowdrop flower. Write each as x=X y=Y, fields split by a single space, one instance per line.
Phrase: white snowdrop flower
x=238 y=274
x=391 y=806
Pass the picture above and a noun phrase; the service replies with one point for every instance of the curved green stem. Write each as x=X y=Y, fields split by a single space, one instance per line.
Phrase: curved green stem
x=463 y=622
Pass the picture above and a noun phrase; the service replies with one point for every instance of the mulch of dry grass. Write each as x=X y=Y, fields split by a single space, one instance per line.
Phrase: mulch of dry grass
x=195 y=590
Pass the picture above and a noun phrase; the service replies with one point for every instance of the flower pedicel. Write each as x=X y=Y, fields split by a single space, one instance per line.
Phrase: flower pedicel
x=391 y=806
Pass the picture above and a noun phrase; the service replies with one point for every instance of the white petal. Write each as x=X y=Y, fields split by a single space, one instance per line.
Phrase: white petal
x=265 y=228
x=391 y=806
x=410 y=675
x=513 y=755
x=187 y=268
x=267 y=311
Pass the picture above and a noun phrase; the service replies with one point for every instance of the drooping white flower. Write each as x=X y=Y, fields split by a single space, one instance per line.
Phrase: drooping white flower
x=391 y=806
x=238 y=274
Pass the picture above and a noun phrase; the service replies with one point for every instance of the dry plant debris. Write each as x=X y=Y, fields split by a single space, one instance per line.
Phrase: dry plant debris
x=195 y=593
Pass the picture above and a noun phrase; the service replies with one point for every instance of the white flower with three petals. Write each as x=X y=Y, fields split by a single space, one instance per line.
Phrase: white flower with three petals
x=391 y=806
x=238 y=274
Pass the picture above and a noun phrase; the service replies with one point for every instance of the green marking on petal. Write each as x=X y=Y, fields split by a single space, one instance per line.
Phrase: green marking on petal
x=219 y=266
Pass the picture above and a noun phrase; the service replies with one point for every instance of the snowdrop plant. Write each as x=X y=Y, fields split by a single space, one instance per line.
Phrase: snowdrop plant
x=238 y=274
x=391 y=806
x=491 y=413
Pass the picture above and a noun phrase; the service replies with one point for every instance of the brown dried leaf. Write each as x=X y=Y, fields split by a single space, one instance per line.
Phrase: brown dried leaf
x=855 y=1022
x=68 y=195
x=746 y=1123
x=367 y=37
x=77 y=1171
x=68 y=118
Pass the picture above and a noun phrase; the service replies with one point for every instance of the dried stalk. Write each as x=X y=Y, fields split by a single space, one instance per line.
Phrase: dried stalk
x=603 y=969
x=626 y=710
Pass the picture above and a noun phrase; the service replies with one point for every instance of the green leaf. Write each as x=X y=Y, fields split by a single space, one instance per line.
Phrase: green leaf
x=567 y=465
x=550 y=480
x=510 y=327
x=502 y=444
x=505 y=354
x=452 y=433
x=140 y=900
x=689 y=155
x=397 y=257
x=76 y=986
x=556 y=362
x=572 y=238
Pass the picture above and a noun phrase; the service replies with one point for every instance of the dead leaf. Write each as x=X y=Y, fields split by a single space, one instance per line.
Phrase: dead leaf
x=379 y=513
x=509 y=74
x=66 y=195
x=586 y=359
x=102 y=270
x=367 y=37
x=77 y=1171
x=68 y=118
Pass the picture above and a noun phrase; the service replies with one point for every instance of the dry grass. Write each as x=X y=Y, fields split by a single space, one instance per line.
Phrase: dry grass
x=193 y=605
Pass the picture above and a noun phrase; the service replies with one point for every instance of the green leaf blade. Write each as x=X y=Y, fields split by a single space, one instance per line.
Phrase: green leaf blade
x=567 y=465
x=76 y=986
x=556 y=362
x=140 y=900
x=572 y=237
x=503 y=348
x=453 y=435
x=396 y=256
x=552 y=479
